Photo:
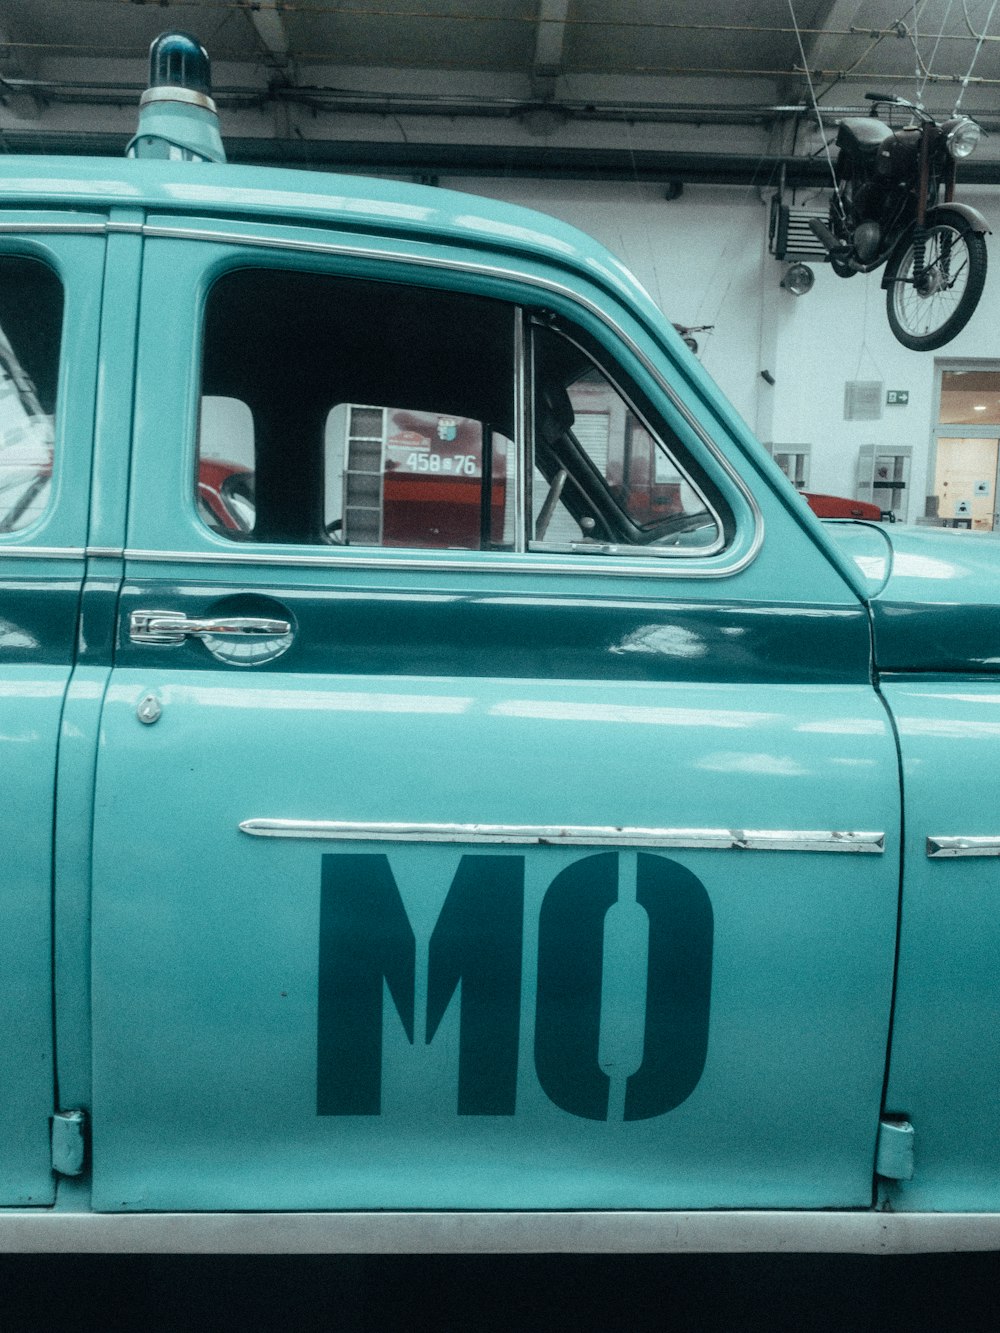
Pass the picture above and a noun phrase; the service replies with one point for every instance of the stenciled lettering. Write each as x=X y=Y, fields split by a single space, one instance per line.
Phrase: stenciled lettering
x=366 y=939
x=367 y=945
x=570 y=974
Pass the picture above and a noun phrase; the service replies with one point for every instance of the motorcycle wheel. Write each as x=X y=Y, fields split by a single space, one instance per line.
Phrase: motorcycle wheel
x=930 y=313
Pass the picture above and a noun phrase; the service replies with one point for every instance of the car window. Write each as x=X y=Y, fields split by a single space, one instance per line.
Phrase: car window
x=337 y=411
x=31 y=307
x=603 y=474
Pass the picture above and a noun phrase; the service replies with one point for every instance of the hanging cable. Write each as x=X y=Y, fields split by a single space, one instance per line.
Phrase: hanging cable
x=815 y=104
x=930 y=63
x=915 y=39
x=975 y=54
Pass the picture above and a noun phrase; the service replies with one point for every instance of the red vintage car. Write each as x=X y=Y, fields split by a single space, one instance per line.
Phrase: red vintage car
x=836 y=506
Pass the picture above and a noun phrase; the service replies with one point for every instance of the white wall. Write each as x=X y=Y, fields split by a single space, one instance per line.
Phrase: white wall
x=704 y=259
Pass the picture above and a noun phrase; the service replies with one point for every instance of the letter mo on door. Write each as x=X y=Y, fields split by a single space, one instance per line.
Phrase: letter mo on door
x=367 y=945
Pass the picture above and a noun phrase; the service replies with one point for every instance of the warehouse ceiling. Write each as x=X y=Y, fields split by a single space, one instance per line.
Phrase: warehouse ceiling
x=664 y=90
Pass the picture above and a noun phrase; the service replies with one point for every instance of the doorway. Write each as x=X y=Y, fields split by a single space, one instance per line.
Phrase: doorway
x=967 y=439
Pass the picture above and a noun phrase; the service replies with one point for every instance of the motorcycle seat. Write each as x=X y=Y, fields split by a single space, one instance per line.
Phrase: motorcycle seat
x=863 y=135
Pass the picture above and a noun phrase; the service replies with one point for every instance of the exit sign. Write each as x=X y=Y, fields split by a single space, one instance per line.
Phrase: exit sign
x=897 y=397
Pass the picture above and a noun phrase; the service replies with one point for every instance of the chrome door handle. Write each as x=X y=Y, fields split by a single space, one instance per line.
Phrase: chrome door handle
x=166 y=627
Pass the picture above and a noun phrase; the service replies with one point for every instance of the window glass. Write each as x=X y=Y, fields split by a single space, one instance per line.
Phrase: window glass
x=603 y=475
x=358 y=413
x=400 y=477
x=31 y=309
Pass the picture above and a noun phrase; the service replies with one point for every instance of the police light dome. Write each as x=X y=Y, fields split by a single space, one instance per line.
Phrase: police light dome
x=178 y=60
x=177 y=117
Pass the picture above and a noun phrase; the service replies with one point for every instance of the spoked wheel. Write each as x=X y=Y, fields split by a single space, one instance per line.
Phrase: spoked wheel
x=931 y=295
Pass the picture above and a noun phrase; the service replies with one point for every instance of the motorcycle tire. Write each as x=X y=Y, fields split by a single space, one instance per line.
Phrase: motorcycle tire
x=929 y=314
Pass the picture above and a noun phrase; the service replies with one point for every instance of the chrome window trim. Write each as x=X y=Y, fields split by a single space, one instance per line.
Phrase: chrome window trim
x=582 y=835
x=940 y=847
x=522 y=433
x=548 y=285
x=43 y=552
x=736 y=1231
x=491 y=564
x=63 y=228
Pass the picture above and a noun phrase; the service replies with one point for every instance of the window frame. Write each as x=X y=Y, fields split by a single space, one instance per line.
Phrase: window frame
x=710 y=431
x=527 y=322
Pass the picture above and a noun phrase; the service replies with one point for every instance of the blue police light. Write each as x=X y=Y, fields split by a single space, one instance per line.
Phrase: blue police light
x=178 y=60
x=177 y=117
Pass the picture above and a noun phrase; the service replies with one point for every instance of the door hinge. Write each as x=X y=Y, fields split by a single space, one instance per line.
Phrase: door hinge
x=68 y=1142
x=894 y=1152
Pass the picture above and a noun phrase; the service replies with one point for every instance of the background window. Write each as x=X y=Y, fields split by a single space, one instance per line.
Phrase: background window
x=31 y=312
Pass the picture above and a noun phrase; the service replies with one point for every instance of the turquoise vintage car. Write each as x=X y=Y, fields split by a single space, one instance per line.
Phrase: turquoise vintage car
x=456 y=794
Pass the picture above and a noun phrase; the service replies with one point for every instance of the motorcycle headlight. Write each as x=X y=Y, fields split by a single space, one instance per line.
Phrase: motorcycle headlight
x=961 y=137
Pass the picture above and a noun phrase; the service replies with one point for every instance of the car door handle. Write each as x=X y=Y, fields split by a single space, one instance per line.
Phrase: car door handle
x=166 y=627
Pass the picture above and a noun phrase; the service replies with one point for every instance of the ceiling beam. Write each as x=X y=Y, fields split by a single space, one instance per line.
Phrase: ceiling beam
x=266 y=17
x=843 y=38
x=14 y=69
x=550 y=37
x=535 y=161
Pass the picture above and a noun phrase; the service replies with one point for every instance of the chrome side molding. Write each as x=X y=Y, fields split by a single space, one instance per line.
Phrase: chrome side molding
x=570 y=835
x=962 y=846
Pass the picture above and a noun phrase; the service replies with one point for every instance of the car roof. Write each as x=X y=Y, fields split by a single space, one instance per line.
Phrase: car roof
x=352 y=202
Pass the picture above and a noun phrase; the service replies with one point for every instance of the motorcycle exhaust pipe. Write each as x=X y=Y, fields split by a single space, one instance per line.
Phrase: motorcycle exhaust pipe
x=823 y=234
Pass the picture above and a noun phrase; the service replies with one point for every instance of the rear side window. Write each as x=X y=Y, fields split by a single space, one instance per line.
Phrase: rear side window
x=31 y=314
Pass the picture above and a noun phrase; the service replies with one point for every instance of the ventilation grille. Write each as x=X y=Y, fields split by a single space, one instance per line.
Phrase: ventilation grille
x=791 y=235
x=863 y=400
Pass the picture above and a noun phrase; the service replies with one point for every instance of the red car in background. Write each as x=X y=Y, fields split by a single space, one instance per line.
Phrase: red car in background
x=836 y=506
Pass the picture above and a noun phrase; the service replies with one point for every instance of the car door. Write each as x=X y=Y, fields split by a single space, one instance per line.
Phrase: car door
x=49 y=326
x=493 y=808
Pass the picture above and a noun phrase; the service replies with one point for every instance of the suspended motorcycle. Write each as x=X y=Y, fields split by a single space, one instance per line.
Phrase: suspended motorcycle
x=894 y=205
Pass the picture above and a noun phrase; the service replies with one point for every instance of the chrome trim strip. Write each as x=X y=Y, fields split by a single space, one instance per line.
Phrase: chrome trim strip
x=581 y=835
x=739 y=1231
x=42 y=552
x=522 y=433
x=106 y=552
x=963 y=846
x=448 y=264
x=37 y=228
x=175 y=93
x=615 y=566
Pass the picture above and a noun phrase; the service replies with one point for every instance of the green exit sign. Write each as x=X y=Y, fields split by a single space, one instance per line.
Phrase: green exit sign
x=897 y=397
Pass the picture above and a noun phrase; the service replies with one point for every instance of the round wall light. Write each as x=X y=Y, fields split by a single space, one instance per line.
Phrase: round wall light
x=798 y=279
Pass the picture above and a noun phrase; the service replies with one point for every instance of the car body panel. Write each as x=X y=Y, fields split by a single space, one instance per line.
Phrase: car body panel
x=499 y=882
x=934 y=596
x=945 y=1056
x=468 y=688
x=41 y=574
